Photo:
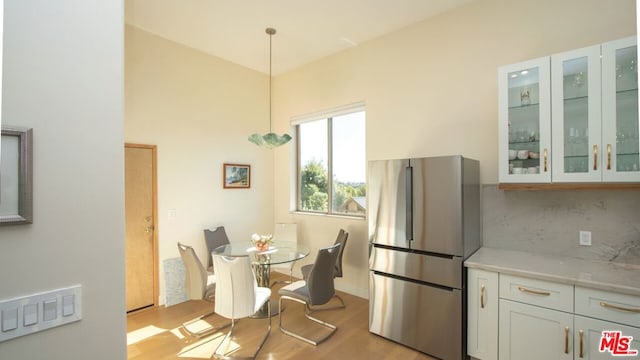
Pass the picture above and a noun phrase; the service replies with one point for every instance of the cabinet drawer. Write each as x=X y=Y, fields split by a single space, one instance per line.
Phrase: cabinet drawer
x=537 y=292
x=619 y=308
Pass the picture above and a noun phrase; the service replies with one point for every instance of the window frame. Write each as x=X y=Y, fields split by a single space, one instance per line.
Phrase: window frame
x=328 y=115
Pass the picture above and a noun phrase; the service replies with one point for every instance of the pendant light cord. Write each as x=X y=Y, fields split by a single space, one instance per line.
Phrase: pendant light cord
x=270 y=31
x=270 y=36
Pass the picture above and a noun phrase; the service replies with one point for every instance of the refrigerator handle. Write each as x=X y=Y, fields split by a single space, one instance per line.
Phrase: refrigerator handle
x=409 y=201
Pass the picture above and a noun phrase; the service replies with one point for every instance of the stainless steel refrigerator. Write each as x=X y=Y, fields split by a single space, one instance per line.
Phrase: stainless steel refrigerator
x=424 y=221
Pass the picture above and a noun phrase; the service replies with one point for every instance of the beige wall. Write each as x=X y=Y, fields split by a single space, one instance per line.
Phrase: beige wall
x=199 y=111
x=63 y=77
x=431 y=89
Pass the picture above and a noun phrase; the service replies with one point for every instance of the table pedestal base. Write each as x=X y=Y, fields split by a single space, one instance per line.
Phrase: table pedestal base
x=263 y=278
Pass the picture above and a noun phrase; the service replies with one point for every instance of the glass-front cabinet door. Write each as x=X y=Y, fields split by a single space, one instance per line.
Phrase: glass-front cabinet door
x=524 y=122
x=576 y=115
x=621 y=153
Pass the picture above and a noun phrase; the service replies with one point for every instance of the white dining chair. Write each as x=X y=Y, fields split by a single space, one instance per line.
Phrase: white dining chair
x=285 y=232
x=238 y=296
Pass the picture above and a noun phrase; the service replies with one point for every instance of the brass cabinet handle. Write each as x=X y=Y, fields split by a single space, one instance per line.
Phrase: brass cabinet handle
x=581 y=343
x=482 y=297
x=608 y=156
x=535 y=292
x=545 y=160
x=606 y=305
x=566 y=339
x=595 y=157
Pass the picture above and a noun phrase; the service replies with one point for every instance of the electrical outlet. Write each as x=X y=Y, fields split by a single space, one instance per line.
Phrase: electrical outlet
x=585 y=238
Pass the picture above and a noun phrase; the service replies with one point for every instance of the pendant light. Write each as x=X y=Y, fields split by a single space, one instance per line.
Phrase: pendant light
x=270 y=140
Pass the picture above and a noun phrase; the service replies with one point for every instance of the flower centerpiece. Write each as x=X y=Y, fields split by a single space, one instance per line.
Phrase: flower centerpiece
x=261 y=242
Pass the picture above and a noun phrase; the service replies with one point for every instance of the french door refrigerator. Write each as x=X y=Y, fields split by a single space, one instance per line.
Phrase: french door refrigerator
x=424 y=221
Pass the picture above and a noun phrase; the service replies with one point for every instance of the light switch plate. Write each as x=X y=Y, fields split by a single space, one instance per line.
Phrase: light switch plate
x=585 y=238
x=30 y=312
x=9 y=319
x=50 y=309
x=48 y=305
x=68 y=305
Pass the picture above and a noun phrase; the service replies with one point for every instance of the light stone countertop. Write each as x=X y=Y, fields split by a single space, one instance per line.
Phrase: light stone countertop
x=601 y=275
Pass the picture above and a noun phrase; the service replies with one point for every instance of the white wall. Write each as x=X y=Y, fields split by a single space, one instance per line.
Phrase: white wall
x=63 y=77
x=199 y=111
x=431 y=89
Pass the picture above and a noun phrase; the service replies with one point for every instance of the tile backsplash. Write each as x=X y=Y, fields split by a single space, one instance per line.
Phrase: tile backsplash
x=549 y=222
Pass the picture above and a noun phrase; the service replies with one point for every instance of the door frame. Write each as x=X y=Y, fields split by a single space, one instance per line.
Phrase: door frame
x=154 y=199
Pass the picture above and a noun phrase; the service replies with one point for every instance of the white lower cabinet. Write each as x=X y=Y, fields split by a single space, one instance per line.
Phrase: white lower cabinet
x=529 y=332
x=588 y=334
x=482 y=315
x=535 y=319
x=597 y=311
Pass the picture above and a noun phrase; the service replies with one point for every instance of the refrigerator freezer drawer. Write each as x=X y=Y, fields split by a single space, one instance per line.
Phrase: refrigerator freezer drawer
x=445 y=271
x=419 y=316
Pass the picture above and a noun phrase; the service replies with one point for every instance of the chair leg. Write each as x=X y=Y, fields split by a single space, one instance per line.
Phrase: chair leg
x=264 y=340
x=341 y=306
x=224 y=356
x=308 y=316
x=205 y=331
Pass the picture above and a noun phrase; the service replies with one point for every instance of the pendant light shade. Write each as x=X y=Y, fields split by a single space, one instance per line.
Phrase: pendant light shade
x=271 y=139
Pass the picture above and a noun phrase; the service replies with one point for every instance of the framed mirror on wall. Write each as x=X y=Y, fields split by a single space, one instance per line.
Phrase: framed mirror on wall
x=1 y=47
x=16 y=176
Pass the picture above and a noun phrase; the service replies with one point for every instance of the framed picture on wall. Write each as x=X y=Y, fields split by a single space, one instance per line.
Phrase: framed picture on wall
x=1 y=47
x=236 y=176
x=16 y=164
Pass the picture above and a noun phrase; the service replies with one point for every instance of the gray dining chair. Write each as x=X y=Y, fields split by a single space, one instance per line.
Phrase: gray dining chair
x=214 y=239
x=238 y=295
x=340 y=239
x=317 y=289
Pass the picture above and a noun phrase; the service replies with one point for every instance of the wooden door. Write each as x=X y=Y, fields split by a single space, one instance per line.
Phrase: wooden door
x=140 y=230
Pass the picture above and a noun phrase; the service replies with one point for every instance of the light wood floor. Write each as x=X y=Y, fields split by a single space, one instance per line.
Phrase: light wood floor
x=155 y=333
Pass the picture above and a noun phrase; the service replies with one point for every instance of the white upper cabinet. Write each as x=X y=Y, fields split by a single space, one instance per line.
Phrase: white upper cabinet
x=571 y=117
x=621 y=159
x=525 y=122
x=576 y=115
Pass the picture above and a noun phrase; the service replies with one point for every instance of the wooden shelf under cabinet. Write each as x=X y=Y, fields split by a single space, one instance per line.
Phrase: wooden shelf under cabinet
x=570 y=186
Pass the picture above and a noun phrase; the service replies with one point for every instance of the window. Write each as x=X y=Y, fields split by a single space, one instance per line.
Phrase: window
x=331 y=169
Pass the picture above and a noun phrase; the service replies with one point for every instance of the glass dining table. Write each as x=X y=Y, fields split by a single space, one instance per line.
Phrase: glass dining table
x=279 y=252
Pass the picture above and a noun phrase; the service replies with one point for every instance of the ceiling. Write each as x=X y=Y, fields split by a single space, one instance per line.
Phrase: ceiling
x=307 y=30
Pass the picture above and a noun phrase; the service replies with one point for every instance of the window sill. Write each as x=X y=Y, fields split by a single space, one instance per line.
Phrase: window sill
x=339 y=216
